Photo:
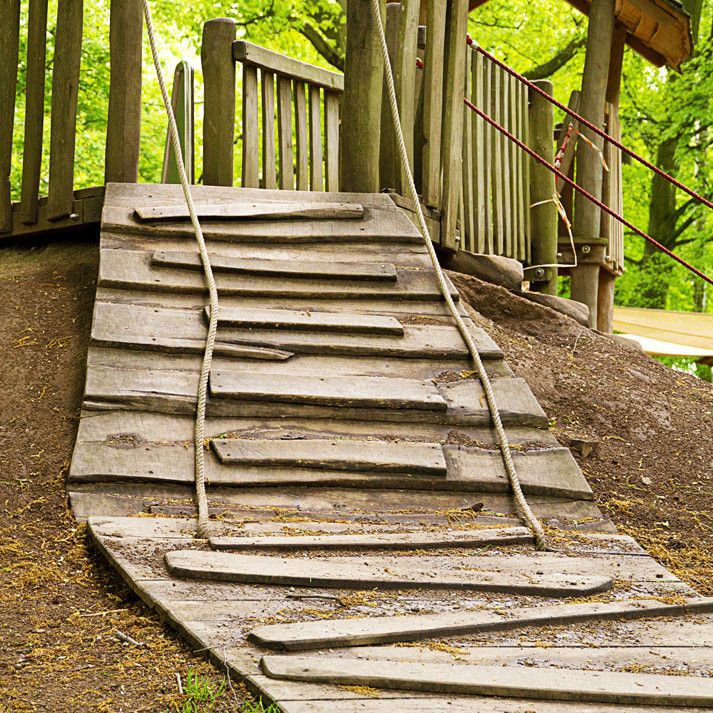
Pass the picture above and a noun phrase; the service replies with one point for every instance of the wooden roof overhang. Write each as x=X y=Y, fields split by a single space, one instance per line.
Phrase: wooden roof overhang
x=659 y=30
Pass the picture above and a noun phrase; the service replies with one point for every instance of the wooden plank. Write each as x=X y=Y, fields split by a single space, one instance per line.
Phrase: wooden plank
x=331 y=139
x=251 y=129
x=316 y=173
x=367 y=573
x=252 y=211
x=360 y=392
x=369 y=271
x=269 y=169
x=123 y=131
x=452 y=139
x=496 y=144
x=524 y=181
x=433 y=102
x=284 y=132
x=384 y=541
x=34 y=110
x=278 y=63
x=219 y=101
x=506 y=186
x=343 y=454
x=488 y=205
x=9 y=59
x=301 y=135
x=389 y=162
x=509 y=682
x=310 y=321
x=468 y=190
x=383 y=630
x=65 y=88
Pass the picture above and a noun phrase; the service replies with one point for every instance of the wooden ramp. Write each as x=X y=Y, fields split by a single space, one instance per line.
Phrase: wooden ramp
x=365 y=555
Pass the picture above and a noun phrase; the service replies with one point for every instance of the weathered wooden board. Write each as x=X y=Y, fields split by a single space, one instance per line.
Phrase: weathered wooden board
x=342 y=454
x=251 y=211
x=382 y=630
x=359 y=392
x=385 y=541
x=279 y=268
x=310 y=321
x=512 y=682
x=132 y=270
x=367 y=573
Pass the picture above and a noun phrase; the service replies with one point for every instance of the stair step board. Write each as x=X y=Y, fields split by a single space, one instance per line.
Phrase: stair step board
x=369 y=271
x=310 y=321
x=375 y=631
x=367 y=573
x=503 y=681
x=133 y=270
x=357 y=391
x=376 y=541
x=341 y=454
x=253 y=210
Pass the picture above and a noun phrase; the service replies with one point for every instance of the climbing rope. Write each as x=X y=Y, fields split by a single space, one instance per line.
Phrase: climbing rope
x=199 y=430
x=523 y=507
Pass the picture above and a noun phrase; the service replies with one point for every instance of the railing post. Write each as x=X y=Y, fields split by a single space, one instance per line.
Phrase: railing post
x=9 y=47
x=361 y=120
x=389 y=163
x=543 y=214
x=219 y=101
x=123 y=132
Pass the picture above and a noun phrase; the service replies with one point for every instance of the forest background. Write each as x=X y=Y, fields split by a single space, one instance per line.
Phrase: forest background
x=666 y=116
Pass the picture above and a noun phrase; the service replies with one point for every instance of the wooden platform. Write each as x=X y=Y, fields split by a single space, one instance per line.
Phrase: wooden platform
x=362 y=515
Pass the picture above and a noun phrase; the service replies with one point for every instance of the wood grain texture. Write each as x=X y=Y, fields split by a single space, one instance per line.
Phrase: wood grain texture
x=253 y=211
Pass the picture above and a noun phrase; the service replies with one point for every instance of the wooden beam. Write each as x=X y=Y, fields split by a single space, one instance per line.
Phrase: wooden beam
x=123 y=132
x=361 y=122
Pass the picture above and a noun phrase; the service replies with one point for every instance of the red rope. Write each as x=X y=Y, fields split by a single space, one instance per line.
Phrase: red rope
x=593 y=128
x=586 y=193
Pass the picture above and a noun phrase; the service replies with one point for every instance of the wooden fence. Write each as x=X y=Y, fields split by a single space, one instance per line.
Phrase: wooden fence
x=63 y=206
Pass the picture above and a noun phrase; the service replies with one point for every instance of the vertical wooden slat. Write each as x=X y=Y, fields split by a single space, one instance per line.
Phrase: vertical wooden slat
x=301 y=134
x=389 y=163
x=316 y=175
x=405 y=71
x=506 y=186
x=452 y=139
x=251 y=129
x=9 y=48
x=284 y=132
x=219 y=101
x=331 y=137
x=419 y=142
x=123 y=132
x=514 y=173
x=497 y=157
x=488 y=157
x=182 y=101
x=269 y=170
x=34 y=110
x=468 y=225
x=478 y=157
x=433 y=102
x=523 y=184
x=65 y=86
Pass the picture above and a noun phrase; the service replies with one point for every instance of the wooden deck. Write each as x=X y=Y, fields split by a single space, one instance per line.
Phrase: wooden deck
x=366 y=556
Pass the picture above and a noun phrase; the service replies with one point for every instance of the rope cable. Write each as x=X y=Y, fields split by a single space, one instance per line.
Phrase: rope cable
x=202 y=525
x=523 y=506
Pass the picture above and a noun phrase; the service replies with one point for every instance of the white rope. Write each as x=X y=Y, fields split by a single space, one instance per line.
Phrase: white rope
x=199 y=431
x=523 y=507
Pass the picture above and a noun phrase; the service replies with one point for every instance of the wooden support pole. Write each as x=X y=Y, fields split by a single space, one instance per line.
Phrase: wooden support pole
x=123 y=132
x=587 y=217
x=452 y=139
x=10 y=27
x=389 y=163
x=219 y=101
x=543 y=214
x=65 y=88
x=361 y=118
x=34 y=110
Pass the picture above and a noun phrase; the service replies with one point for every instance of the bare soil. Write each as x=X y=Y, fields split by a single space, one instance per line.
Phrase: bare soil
x=62 y=608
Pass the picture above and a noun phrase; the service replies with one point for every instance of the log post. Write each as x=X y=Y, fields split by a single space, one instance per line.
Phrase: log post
x=123 y=132
x=543 y=217
x=361 y=103
x=587 y=217
x=219 y=101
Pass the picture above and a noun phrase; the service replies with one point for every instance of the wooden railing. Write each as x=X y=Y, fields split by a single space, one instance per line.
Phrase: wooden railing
x=290 y=116
x=63 y=206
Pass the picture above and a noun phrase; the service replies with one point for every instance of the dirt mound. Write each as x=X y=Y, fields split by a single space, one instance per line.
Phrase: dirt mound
x=651 y=428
